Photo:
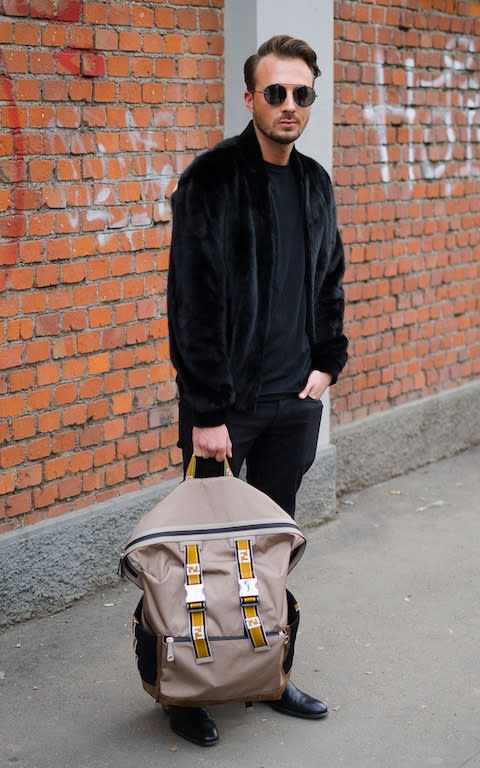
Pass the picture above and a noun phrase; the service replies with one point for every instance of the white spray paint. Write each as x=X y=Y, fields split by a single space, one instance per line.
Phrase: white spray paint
x=458 y=76
x=154 y=184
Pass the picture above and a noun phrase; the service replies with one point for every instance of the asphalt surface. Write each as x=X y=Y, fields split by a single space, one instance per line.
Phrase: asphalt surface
x=389 y=638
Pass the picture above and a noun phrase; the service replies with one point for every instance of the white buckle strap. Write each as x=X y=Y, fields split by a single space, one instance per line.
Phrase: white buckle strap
x=249 y=596
x=196 y=605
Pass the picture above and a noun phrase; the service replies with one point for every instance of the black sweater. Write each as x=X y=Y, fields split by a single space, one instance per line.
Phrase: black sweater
x=221 y=263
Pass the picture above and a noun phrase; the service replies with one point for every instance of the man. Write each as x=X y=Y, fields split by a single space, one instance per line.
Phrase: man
x=256 y=304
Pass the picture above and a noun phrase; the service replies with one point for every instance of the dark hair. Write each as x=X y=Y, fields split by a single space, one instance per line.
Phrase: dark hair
x=285 y=47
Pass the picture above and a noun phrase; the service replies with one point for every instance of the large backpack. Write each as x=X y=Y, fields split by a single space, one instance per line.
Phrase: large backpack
x=216 y=623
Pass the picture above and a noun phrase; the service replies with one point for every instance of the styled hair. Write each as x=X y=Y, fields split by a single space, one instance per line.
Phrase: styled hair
x=285 y=47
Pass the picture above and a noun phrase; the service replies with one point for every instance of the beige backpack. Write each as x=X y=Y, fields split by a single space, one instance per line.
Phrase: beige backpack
x=215 y=623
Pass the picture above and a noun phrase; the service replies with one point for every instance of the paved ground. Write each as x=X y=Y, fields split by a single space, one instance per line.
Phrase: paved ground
x=390 y=638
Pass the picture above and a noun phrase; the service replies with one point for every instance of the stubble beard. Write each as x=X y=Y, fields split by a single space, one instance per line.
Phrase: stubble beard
x=273 y=135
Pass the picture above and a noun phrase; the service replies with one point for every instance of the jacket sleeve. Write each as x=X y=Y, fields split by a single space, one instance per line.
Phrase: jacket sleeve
x=329 y=352
x=197 y=301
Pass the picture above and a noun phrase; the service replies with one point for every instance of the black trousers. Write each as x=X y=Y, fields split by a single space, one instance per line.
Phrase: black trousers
x=277 y=441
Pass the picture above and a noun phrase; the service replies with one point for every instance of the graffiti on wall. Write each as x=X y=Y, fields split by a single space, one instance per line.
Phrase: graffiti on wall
x=442 y=140
x=143 y=162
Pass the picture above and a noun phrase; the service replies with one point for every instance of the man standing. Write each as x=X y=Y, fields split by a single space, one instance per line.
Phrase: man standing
x=255 y=303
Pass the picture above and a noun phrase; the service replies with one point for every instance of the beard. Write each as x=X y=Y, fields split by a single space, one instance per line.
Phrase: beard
x=276 y=135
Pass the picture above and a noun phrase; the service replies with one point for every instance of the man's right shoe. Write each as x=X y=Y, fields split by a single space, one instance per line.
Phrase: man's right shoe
x=194 y=724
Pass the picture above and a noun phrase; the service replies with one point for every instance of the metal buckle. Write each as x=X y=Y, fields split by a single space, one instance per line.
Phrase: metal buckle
x=195 y=593
x=248 y=588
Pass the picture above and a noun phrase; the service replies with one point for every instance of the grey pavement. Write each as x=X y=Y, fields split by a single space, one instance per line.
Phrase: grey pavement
x=390 y=639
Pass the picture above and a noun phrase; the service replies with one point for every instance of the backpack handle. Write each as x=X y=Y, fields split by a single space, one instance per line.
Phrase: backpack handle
x=192 y=466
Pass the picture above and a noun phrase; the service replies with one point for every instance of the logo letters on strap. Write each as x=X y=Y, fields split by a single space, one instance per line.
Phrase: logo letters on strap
x=249 y=596
x=196 y=605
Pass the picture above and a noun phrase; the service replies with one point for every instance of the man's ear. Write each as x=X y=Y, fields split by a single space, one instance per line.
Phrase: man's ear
x=248 y=98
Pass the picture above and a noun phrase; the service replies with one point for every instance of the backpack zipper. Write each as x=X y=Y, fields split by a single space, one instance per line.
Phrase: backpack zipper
x=170 y=641
x=220 y=530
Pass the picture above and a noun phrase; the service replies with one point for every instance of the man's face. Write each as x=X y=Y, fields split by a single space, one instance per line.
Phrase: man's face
x=284 y=123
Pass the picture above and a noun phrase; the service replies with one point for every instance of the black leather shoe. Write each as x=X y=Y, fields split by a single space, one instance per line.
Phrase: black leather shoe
x=298 y=704
x=194 y=724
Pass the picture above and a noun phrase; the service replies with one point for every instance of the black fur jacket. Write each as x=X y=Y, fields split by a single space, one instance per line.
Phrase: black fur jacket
x=219 y=282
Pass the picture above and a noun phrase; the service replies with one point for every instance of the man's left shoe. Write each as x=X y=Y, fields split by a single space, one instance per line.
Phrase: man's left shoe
x=298 y=704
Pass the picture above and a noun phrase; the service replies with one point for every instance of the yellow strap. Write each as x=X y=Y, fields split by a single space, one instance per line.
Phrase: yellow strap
x=192 y=465
x=195 y=602
x=248 y=594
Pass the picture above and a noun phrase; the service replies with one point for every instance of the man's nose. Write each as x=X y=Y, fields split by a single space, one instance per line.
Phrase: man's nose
x=289 y=104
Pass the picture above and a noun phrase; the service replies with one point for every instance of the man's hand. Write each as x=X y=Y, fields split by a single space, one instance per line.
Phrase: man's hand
x=317 y=383
x=212 y=442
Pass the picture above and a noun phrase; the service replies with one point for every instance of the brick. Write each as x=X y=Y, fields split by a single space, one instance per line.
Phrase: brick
x=54 y=35
x=45 y=496
x=91 y=387
x=130 y=41
x=106 y=39
x=91 y=435
x=65 y=393
x=122 y=403
x=127 y=448
x=115 y=473
x=138 y=421
x=49 y=373
x=49 y=422
x=74 y=273
x=41 y=63
x=19 y=504
x=114 y=429
x=15 y=62
x=137 y=467
x=149 y=442
x=80 y=90
x=104 y=455
x=104 y=92
x=64 y=442
x=80 y=37
x=119 y=13
x=7 y=482
x=115 y=382
x=47 y=325
x=19 y=329
x=99 y=410
x=68 y=62
x=99 y=317
x=47 y=276
x=20 y=380
x=65 y=346
x=28 y=90
x=12 y=226
x=81 y=462
x=99 y=363
x=158 y=462
x=41 y=224
x=12 y=356
x=165 y=18
x=92 y=65
x=95 y=13
x=74 y=415
x=11 y=456
x=141 y=17
x=69 y=487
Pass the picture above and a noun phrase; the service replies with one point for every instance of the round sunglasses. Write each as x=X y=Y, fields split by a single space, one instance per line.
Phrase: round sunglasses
x=275 y=94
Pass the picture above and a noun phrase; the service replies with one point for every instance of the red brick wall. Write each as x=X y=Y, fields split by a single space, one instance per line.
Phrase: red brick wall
x=102 y=105
x=407 y=178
